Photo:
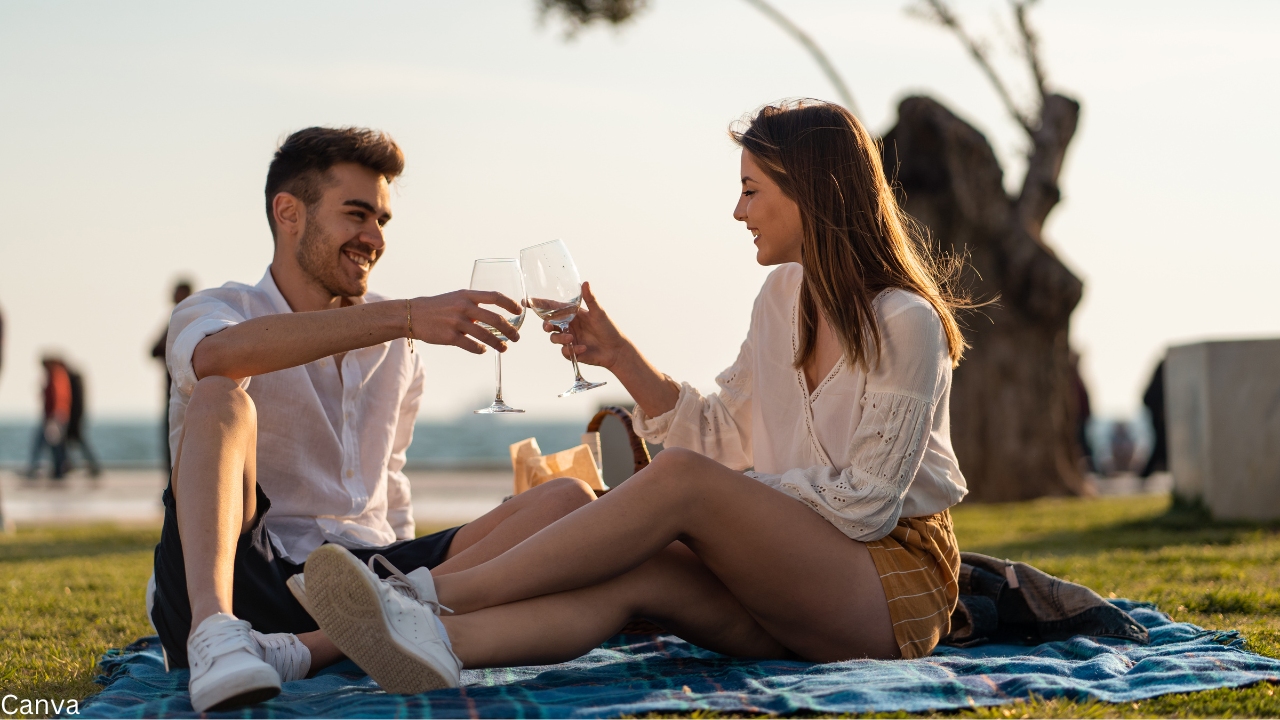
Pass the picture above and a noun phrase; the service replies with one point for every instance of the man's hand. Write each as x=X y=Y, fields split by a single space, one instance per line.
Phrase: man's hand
x=451 y=319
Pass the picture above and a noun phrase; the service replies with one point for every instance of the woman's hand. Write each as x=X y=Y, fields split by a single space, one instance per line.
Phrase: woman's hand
x=594 y=336
x=597 y=341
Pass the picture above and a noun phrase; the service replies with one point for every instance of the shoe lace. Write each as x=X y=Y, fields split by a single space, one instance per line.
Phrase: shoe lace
x=225 y=637
x=286 y=653
x=401 y=582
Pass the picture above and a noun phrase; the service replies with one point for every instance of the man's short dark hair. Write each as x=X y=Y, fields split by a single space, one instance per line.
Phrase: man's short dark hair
x=304 y=158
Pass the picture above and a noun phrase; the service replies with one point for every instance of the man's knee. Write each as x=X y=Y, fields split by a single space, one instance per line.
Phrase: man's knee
x=223 y=399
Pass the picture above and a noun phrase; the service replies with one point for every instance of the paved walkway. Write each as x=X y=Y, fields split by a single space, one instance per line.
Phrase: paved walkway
x=441 y=498
x=133 y=496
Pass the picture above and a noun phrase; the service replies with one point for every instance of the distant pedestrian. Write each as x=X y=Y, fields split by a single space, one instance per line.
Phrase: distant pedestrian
x=181 y=291
x=52 y=432
x=1122 y=447
x=1081 y=414
x=75 y=424
x=1153 y=398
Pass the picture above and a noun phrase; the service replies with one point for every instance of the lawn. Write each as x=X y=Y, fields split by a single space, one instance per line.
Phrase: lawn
x=67 y=594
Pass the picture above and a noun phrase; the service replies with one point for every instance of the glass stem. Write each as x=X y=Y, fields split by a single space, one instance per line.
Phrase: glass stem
x=498 y=392
x=573 y=357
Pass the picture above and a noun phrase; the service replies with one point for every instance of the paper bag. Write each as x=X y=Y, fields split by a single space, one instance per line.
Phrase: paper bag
x=520 y=453
x=531 y=468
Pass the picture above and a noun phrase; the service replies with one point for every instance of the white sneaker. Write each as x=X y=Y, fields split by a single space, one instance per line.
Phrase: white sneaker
x=390 y=628
x=227 y=670
x=286 y=653
x=297 y=585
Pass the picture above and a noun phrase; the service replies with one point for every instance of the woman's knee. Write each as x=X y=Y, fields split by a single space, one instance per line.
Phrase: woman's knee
x=677 y=469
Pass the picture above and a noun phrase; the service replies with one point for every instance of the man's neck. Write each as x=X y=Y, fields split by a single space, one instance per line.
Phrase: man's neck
x=301 y=291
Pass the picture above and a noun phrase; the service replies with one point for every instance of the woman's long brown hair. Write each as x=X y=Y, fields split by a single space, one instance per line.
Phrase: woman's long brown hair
x=857 y=241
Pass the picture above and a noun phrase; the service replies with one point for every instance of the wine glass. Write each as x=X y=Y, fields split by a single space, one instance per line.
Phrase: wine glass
x=502 y=275
x=553 y=291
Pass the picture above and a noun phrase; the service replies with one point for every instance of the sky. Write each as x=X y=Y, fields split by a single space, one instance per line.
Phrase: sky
x=137 y=136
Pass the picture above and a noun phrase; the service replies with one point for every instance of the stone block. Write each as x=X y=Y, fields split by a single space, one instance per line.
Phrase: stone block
x=1222 y=401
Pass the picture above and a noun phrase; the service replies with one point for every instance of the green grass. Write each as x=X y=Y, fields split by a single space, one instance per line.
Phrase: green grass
x=67 y=594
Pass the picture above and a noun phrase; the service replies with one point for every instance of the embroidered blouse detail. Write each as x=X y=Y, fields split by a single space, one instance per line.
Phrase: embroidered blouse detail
x=864 y=448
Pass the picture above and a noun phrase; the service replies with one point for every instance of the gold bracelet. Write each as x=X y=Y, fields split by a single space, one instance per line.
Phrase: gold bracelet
x=408 y=313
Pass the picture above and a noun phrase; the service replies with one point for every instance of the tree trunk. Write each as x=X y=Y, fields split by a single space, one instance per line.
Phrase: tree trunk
x=1011 y=407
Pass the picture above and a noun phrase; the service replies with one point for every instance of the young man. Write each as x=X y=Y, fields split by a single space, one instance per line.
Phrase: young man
x=293 y=404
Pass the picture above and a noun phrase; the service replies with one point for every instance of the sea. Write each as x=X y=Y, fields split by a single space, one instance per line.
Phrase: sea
x=464 y=443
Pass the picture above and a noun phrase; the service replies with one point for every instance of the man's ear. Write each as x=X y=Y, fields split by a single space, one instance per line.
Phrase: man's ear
x=290 y=214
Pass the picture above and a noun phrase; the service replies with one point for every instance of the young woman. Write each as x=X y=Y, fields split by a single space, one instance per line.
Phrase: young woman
x=835 y=543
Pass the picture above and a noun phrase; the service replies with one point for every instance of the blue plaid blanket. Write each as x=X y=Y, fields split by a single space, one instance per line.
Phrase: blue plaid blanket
x=634 y=675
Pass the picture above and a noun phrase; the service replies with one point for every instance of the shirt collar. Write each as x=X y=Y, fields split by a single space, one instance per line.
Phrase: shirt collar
x=268 y=285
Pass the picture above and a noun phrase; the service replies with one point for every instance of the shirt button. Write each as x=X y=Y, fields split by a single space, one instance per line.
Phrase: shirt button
x=351 y=473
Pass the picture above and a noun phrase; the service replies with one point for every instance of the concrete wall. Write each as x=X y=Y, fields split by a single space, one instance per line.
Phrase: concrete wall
x=1223 y=406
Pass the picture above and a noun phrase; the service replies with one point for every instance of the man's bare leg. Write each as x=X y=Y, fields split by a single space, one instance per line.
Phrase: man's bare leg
x=216 y=497
x=483 y=539
x=512 y=522
x=214 y=489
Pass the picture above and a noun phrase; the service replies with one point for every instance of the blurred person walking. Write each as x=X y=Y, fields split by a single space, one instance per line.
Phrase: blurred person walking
x=1122 y=448
x=52 y=432
x=1081 y=414
x=1153 y=398
x=75 y=424
x=181 y=291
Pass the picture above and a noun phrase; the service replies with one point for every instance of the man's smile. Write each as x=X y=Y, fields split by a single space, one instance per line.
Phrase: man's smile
x=360 y=260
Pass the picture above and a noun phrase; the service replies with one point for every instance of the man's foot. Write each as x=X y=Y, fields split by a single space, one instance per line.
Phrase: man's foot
x=390 y=628
x=227 y=670
x=286 y=653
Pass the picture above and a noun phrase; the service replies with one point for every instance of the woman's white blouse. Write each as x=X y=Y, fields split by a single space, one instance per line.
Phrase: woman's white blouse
x=864 y=449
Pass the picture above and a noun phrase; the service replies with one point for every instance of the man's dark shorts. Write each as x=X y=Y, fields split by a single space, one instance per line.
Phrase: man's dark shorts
x=260 y=595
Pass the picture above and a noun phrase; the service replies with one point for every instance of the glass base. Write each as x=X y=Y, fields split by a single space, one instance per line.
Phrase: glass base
x=497 y=407
x=581 y=386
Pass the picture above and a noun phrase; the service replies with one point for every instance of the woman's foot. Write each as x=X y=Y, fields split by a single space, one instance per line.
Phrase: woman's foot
x=390 y=628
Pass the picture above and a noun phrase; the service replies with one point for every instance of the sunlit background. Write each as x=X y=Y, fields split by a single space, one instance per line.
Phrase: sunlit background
x=136 y=138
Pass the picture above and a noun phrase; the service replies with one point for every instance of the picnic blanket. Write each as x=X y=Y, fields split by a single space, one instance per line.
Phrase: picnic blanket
x=634 y=675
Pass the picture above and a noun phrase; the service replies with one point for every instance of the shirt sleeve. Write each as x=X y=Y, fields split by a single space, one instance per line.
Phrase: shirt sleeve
x=903 y=388
x=717 y=426
x=399 y=498
x=194 y=319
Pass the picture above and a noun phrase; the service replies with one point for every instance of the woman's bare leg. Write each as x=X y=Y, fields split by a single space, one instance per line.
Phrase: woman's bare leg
x=810 y=587
x=673 y=588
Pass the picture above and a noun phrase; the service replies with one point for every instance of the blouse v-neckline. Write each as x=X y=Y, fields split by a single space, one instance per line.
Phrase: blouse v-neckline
x=809 y=397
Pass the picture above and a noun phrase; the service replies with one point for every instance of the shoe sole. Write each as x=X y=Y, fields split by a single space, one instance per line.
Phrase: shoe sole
x=253 y=697
x=298 y=594
x=248 y=696
x=348 y=609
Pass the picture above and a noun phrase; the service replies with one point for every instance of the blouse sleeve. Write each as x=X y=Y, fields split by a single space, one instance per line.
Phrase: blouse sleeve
x=717 y=426
x=903 y=389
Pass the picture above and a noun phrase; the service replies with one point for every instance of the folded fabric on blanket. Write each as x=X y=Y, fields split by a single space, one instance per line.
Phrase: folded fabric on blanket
x=634 y=675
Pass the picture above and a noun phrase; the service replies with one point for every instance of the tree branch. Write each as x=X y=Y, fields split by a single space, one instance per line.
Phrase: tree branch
x=818 y=55
x=1030 y=45
x=941 y=13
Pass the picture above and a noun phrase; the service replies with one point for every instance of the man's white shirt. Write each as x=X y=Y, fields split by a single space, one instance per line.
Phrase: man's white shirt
x=331 y=449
